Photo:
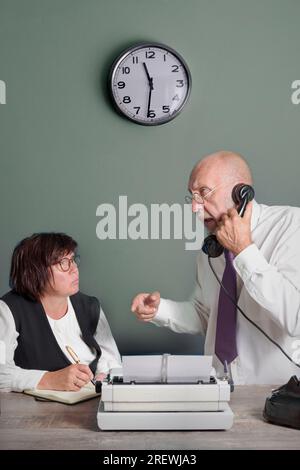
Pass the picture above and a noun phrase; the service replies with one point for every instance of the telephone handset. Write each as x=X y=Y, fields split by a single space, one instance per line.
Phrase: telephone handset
x=241 y=195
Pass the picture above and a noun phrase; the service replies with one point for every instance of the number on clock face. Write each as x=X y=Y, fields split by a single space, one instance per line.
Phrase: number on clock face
x=150 y=84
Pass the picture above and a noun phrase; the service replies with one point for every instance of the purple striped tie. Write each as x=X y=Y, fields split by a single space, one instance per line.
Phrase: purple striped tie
x=225 y=346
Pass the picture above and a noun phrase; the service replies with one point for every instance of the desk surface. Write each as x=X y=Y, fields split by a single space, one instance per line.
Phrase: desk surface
x=29 y=424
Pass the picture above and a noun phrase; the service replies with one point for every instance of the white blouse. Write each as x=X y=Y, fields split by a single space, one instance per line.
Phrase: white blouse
x=67 y=333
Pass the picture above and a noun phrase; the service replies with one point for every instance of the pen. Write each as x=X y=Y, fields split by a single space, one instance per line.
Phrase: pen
x=76 y=359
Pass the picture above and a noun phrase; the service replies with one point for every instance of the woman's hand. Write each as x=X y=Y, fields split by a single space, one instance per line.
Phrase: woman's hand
x=71 y=378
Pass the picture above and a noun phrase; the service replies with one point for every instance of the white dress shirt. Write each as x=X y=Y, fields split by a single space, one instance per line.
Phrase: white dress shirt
x=67 y=333
x=268 y=280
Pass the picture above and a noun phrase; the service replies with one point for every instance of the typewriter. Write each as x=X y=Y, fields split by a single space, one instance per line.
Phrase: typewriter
x=173 y=396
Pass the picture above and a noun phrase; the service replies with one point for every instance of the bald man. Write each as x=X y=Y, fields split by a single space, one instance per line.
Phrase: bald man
x=262 y=255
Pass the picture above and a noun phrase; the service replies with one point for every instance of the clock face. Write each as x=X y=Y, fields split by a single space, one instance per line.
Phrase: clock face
x=150 y=83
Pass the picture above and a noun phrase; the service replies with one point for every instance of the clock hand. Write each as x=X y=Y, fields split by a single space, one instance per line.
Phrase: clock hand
x=149 y=101
x=150 y=81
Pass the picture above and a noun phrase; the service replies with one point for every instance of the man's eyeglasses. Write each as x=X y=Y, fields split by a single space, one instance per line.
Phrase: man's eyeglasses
x=66 y=263
x=203 y=194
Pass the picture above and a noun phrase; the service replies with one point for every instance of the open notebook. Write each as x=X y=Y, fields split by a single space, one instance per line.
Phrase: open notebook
x=69 y=398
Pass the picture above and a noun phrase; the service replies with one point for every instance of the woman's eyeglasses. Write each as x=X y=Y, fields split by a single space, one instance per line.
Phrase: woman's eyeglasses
x=66 y=263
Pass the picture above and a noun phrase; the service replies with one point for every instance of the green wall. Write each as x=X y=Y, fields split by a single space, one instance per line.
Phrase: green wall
x=64 y=150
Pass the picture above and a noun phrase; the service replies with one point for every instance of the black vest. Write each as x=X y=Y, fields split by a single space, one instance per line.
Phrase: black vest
x=37 y=347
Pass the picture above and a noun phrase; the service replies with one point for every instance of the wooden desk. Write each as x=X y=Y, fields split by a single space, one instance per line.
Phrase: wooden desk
x=28 y=424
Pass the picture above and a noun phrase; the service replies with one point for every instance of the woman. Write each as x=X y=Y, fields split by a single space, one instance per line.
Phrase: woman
x=46 y=323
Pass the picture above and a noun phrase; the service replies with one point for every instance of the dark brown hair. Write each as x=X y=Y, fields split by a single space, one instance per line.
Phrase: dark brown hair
x=32 y=258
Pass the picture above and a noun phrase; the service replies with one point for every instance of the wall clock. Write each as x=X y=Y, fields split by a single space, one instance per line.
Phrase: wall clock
x=150 y=83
